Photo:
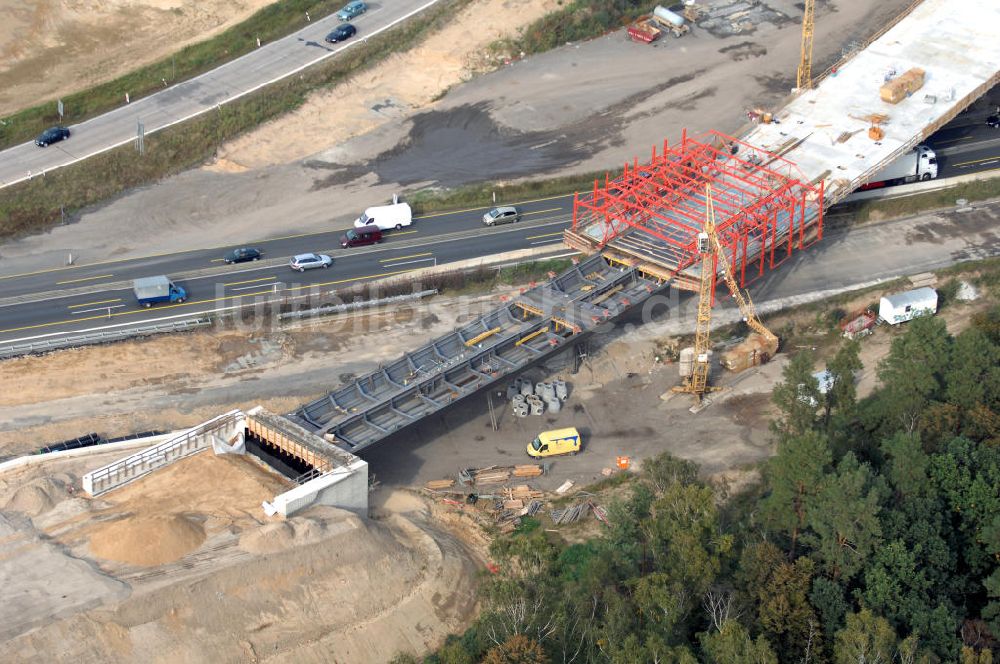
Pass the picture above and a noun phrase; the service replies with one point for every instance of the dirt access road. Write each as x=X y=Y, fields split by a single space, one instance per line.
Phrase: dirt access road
x=579 y=108
x=50 y=48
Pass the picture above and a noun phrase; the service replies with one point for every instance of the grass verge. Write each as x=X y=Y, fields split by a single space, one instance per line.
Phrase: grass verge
x=578 y=20
x=480 y=195
x=876 y=210
x=270 y=23
x=36 y=205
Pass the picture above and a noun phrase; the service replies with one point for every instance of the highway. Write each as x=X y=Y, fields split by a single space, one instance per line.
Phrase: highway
x=184 y=100
x=107 y=298
x=70 y=299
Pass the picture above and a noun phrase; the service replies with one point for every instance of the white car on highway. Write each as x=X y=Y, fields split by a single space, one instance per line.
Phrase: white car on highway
x=304 y=262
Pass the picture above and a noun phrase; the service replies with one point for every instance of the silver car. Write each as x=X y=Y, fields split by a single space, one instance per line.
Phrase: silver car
x=507 y=214
x=304 y=262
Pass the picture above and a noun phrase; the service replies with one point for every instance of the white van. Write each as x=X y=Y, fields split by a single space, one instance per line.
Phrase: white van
x=386 y=217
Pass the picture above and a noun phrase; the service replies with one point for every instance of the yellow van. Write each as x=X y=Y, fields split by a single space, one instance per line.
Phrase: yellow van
x=557 y=441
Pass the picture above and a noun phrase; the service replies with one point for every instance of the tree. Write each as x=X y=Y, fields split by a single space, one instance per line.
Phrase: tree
x=518 y=649
x=842 y=393
x=991 y=613
x=911 y=374
x=794 y=477
x=843 y=519
x=797 y=397
x=687 y=549
x=789 y=621
x=866 y=639
x=732 y=645
x=973 y=376
x=827 y=596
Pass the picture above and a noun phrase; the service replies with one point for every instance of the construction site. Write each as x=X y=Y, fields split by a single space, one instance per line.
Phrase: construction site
x=258 y=516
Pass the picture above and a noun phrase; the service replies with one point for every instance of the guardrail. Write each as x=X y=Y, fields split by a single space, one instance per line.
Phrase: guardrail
x=93 y=338
x=354 y=306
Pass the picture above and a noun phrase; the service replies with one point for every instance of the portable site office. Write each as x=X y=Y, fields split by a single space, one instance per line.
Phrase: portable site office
x=901 y=307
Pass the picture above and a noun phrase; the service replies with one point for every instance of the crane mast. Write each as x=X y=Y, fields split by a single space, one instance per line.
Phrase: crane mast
x=804 y=78
x=712 y=254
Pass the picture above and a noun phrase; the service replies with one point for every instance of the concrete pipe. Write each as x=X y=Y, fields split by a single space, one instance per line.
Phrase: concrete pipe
x=548 y=392
x=527 y=388
x=553 y=405
x=513 y=390
x=562 y=390
x=538 y=408
x=539 y=388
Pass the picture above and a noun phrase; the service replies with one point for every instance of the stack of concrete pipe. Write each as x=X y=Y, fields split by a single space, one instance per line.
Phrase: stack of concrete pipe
x=519 y=405
x=535 y=404
x=527 y=397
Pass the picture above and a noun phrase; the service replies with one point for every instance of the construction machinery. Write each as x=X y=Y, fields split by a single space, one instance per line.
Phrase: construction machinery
x=695 y=367
x=804 y=78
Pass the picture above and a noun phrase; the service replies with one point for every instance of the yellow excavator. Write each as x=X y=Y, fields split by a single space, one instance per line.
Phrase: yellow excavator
x=757 y=349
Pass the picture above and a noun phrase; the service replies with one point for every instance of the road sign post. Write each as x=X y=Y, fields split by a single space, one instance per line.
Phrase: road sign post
x=59 y=108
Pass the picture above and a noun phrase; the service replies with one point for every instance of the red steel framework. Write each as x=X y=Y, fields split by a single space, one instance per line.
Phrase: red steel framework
x=653 y=212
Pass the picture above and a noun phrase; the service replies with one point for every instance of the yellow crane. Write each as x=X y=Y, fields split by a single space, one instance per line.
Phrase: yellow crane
x=711 y=251
x=804 y=78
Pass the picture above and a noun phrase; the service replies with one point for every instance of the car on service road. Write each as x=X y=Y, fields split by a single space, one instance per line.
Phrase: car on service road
x=242 y=255
x=993 y=121
x=506 y=214
x=555 y=442
x=352 y=9
x=304 y=262
x=341 y=32
x=52 y=135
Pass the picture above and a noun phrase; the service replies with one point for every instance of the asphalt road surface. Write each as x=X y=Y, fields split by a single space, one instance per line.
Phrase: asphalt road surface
x=108 y=300
x=189 y=98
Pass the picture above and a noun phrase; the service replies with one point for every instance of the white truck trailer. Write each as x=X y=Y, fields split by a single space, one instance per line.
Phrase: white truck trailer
x=918 y=164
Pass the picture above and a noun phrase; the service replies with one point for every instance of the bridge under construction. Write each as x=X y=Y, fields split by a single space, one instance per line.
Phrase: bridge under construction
x=640 y=230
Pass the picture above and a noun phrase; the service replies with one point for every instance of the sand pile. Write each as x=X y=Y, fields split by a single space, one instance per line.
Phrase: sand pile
x=147 y=541
x=34 y=498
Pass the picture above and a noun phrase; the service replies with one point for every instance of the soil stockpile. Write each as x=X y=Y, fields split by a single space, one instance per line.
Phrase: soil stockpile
x=147 y=541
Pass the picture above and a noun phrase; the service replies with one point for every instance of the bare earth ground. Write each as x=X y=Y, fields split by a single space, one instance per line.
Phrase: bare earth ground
x=175 y=568
x=381 y=96
x=580 y=108
x=50 y=48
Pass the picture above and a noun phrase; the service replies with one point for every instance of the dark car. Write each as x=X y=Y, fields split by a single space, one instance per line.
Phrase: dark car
x=341 y=32
x=242 y=255
x=359 y=237
x=351 y=10
x=993 y=121
x=52 y=135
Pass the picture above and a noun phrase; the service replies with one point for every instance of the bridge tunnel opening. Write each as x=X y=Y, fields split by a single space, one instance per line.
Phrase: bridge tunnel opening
x=290 y=455
x=277 y=458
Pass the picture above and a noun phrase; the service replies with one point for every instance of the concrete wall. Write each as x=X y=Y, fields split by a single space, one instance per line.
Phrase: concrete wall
x=346 y=488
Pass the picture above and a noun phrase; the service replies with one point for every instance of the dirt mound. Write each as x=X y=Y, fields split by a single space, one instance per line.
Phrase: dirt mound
x=269 y=538
x=318 y=523
x=147 y=540
x=32 y=499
